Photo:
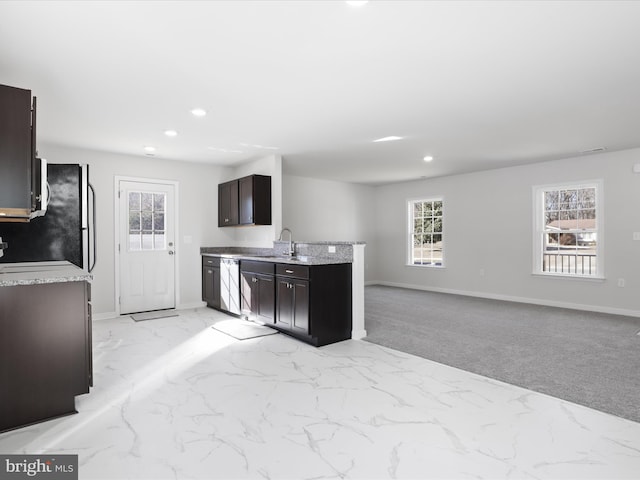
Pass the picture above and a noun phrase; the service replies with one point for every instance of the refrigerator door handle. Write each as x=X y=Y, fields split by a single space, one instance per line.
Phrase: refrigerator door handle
x=93 y=226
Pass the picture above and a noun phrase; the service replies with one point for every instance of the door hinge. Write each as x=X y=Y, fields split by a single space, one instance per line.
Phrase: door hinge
x=120 y=300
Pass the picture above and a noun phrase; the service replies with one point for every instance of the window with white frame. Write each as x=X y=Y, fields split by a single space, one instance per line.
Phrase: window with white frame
x=426 y=232
x=569 y=230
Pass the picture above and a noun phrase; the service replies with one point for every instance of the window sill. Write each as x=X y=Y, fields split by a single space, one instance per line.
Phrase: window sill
x=560 y=276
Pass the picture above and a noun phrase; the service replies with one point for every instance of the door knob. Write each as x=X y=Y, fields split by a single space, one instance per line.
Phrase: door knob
x=170 y=252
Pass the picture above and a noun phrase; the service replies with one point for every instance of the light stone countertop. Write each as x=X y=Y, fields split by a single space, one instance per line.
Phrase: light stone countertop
x=297 y=259
x=306 y=253
x=34 y=273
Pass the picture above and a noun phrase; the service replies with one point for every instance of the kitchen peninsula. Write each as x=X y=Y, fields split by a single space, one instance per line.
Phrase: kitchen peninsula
x=315 y=293
x=45 y=341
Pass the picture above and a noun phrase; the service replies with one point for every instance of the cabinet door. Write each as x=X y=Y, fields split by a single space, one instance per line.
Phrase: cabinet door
x=211 y=286
x=300 y=320
x=249 y=292
x=254 y=194
x=15 y=149
x=228 y=204
x=284 y=305
x=245 y=195
x=266 y=299
x=258 y=297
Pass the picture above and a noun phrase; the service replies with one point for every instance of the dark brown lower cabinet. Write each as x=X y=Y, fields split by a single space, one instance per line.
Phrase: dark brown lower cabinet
x=309 y=302
x=293 y=305
x=45 y=351
x=258 y=291
x=313 y=302
x=211 y=281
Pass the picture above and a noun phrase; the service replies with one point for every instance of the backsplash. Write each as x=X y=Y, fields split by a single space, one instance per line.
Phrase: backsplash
x=343 y=250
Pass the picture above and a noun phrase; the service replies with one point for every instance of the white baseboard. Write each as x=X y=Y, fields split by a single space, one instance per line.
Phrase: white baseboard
x=187 y=306
x=358 y=334
x=108 y=315
x=103 y=316
x=509 y=298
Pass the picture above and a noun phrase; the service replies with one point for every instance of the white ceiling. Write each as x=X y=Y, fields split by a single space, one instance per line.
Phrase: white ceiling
x=477 y=84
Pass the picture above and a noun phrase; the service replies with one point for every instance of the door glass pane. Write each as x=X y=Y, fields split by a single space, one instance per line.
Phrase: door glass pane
x=159 y=241
x=134 y=242
x=134 y=200
x=158 y=202
x=147 y=240
x=147 y=223
x=158 y=221
x=147 y=201
x=134 y=221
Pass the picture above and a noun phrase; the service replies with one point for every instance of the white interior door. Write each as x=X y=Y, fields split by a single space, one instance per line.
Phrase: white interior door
x=146 y=246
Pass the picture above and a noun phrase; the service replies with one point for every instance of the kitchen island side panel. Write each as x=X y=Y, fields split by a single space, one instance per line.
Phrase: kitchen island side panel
x=43 y=351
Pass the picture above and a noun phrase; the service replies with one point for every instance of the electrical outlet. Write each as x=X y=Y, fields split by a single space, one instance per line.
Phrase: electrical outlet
x=621 y=282
x=636 y=235
x=332 y=249
x=482 y=272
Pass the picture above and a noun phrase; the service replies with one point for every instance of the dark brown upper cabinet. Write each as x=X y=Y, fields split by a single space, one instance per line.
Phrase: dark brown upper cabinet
x=255 y=200
x=245 y=201
x=228 y=204
x=17 y=154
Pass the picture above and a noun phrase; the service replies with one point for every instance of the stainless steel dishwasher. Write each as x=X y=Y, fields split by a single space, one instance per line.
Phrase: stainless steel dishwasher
x=230 y=285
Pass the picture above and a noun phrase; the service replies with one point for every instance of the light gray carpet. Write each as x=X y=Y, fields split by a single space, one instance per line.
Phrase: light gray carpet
x=587 y=358
x=139 y=317
x=242 y=329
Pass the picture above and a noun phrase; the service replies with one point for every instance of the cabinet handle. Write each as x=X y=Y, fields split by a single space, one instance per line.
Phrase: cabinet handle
x=209 y=261
x=209 y=271
x=288 y=271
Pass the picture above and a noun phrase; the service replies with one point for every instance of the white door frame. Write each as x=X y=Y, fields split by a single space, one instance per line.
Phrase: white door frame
x=116 y=219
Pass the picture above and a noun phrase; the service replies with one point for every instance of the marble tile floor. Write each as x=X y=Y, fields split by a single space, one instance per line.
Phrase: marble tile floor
x=176 y=399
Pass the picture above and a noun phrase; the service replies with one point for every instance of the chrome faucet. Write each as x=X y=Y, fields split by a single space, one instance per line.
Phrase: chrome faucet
x=291 y=250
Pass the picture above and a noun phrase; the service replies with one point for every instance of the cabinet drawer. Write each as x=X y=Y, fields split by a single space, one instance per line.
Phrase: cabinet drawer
x=210 y=261
x=257 y=267
x=288 y=270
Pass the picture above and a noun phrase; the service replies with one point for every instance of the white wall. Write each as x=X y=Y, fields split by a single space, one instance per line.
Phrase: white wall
x=259 y=235
x=323 y=210
x=489 y=225
x=198 y=214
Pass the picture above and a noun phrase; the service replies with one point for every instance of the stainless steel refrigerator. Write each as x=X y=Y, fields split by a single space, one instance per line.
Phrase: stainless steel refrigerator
x=66 y=231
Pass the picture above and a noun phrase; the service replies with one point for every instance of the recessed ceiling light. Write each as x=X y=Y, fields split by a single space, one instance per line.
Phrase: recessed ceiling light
x=255 y=145
x=224 y=150
x=356 y=3
x=199 y=112
x=170 y=133
x=392 y=138
x=428 y=158
x=149 y=149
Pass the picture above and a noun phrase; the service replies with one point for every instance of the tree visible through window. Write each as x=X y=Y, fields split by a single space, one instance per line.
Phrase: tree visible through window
x=147 y=221
x=567 y=241
x=425 y=232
